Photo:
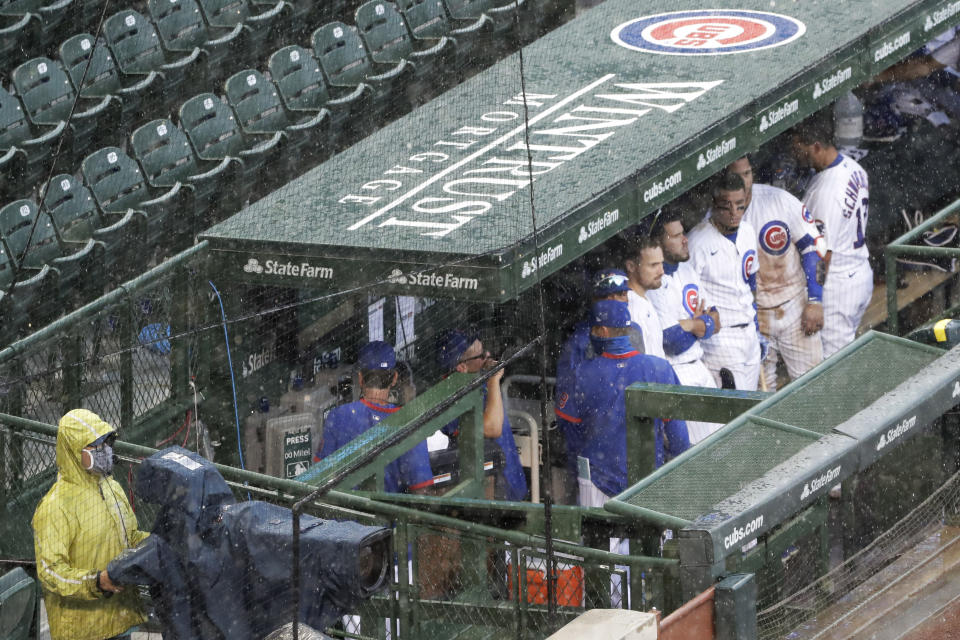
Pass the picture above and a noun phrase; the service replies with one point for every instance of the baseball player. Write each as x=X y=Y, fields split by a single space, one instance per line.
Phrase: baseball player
x=597 y=405
x=609 y=284
x=838 y=198
x=643 y=262
x=411 y=471
x=723 y=252
x=682 y=310
x=789 y=297
x=458 y=351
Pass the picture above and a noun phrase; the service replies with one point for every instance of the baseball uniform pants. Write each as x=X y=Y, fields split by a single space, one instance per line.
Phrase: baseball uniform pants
x=781 y=326
x=738 y=350
x=846 y=295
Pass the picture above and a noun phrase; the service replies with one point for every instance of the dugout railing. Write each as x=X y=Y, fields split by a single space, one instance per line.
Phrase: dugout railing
x=452 y=573
x=906 y=246
x=753 y=497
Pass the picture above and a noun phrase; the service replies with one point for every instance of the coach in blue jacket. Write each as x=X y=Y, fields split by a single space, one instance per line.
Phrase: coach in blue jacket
x=597 y=405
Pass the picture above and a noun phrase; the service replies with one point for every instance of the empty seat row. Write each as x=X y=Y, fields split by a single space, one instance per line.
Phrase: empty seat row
x=406 y=61
x=256 y=24
x=189 y=174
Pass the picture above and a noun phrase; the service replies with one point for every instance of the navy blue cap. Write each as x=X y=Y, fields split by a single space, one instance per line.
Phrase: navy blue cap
x=450 y=348
x=610 y=281
x=610 y=313
x=377 y=355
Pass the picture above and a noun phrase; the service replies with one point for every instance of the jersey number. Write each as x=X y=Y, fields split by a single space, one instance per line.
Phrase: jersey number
x=861 y=214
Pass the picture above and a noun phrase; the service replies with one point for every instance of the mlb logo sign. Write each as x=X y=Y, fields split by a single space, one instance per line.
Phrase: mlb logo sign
x=707 y=32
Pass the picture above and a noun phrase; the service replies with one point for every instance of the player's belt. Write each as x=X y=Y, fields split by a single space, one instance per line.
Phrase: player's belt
x=740 y=326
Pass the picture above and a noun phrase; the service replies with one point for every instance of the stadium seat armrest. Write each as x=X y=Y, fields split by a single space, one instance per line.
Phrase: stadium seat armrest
x=96 y=109
x=267 y=145
x=226 y=39
x=39 y=275
x=269 y=14
x=222 y=166
x=85 y=250
x=19 y=25
x=436 y=49
x=54 y=7
x=484 y=22
x=315 y=121
x=48 y=136
x=9 y=154
x=354 y=95
x=126 y=218
x=404 y=66
x=161 y=200
x=183 y=62
x=139 y=86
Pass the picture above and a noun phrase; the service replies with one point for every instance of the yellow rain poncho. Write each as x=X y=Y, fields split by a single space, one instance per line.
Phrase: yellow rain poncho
x=82 y=523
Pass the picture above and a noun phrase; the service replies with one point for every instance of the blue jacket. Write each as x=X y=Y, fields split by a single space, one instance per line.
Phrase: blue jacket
x=597 y=409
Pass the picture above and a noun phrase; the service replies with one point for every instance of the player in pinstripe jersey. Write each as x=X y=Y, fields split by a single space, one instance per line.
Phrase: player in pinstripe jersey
x=838 y=198
x=789 y=298
x=683 y=314
x=643 y=262
x=723 y=252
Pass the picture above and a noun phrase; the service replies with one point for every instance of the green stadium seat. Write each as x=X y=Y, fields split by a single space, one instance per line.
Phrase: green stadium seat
x=303 y=89
x=215 y=134
x=118 y=185
x=137 y=49
x=261 y=29
x=21 y=226
x=470 y=15
x=427 y=19
x=27 y=154
x=182 y=28
x=72 y=210
x=167 y=158
x=388 y=40
x=34 y=295
x=24 y=225
x=19 y=37
x=344 y=59
x=84 y=232
x=95 y=74
x=296 y=16
x=259 y=109
x=48 y=96
x=47 y=18
x=18 y=595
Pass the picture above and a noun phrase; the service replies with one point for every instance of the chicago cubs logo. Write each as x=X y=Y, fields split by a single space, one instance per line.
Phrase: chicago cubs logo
x=707 y=32
x=775 y=238
x=691 y=299
x=806 y=213
x=749 y=264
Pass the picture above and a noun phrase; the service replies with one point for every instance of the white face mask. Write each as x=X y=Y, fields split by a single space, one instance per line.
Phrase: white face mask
x=101 y=460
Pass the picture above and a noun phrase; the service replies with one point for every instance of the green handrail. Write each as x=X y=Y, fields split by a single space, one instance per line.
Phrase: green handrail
x=900 y=247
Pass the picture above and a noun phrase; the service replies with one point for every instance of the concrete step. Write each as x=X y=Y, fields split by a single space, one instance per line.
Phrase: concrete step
x=920 y=585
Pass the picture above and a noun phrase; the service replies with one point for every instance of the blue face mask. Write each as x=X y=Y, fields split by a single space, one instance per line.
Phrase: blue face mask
x=618 y=344
x=101 y=460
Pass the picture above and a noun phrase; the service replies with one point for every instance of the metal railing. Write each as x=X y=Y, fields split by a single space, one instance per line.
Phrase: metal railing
x=901 y=246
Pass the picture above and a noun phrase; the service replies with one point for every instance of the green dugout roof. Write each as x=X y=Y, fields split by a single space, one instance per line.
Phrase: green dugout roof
x=438 y=202
x=786 y=452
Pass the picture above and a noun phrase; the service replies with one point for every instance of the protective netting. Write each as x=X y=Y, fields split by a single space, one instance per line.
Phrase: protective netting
x=828 y=591
x=209 y=209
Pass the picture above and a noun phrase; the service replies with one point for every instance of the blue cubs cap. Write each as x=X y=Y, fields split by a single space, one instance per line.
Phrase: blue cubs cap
x=376 y=355
x=610 y=313
x=450 y=347
x=608 y=282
